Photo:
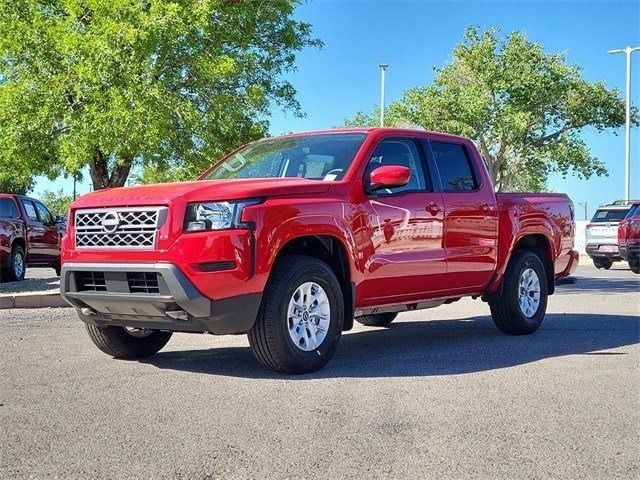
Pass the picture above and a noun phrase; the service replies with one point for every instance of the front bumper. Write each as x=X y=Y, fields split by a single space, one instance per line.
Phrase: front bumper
x=156 y=296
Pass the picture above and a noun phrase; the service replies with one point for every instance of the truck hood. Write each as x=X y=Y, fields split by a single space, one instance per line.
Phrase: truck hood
x=201 y=190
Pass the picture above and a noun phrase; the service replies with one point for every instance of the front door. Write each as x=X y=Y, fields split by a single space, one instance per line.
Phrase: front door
x=403 y=255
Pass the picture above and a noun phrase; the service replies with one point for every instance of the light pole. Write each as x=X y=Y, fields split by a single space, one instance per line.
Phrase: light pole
x=627 y=151
x=383 y=68
x=585 y=208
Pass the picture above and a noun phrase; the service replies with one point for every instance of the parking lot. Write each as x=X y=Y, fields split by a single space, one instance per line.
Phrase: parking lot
x=440 y=394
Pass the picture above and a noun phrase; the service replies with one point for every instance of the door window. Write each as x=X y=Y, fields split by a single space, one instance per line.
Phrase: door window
x=397 y=152
x=30 y=210
x=454 y=167
x=44 y=213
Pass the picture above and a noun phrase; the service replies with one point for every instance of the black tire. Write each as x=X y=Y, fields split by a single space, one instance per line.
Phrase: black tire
x=272 y=336
x=635 y=267
x=525 y=271
x=58 y=268
x=377 y=319
x=602 y=263
x=128 y=344
x=17 y=264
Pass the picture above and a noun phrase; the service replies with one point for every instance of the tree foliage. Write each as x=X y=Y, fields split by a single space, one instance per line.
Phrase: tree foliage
x=169 y=85
x=524 y=108
x=57 y=202
x=15 y=184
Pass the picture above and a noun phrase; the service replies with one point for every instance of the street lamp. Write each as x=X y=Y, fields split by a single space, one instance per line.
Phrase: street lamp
x=627 y=151
x=383 y=68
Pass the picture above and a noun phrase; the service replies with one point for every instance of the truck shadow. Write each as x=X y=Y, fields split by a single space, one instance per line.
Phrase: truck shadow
x=604 y=286
x=429 y=348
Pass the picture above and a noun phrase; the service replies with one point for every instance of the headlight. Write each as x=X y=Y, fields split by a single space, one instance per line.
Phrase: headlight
x=215 y=215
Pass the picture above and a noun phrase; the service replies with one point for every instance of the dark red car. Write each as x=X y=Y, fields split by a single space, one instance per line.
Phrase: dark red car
x=28 y=237
x=629 y=237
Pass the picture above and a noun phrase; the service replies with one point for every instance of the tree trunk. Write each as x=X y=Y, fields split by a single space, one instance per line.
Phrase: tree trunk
x=100 y=176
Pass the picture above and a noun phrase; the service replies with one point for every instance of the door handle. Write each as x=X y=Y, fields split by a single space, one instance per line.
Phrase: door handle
x=432 y=208
x=485 y=208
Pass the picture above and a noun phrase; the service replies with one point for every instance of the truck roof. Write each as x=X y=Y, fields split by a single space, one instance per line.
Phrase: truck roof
x=407 y=131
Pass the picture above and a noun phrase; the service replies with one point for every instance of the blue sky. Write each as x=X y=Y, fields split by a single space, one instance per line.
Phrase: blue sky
x=414 y=36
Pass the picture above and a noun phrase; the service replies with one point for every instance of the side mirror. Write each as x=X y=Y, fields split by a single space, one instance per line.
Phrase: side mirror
x=389 y=176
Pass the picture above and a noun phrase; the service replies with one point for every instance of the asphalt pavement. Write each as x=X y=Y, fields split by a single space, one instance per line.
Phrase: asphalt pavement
x=439 y=394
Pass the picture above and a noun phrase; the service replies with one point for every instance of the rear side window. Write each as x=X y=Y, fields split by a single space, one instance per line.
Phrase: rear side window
x=609 y=215
x=454 y=166
x=8 y=208
x=30 y=210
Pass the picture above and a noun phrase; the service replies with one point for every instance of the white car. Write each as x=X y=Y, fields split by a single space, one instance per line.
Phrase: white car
x=602 y=235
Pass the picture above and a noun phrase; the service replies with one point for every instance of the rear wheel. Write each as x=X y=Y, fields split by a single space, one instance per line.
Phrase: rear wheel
x=17 y=264
x=377 y=319
x=301 y=317
x=522 y=307
x=635 y=267
x=602 y=263
x=128 y=343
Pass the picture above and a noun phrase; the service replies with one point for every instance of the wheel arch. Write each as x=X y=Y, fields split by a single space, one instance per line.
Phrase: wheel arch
x=20 y=243
x=535 y=242
x=541 y=246
x=332 y=251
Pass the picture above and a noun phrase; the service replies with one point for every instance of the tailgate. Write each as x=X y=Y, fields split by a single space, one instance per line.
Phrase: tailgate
x=603 y=232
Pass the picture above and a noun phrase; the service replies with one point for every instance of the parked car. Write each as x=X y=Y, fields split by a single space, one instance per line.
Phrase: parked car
x=290 y=239
x=601 y=235
x=629 y=237
x=29 y=237
x=61 y=221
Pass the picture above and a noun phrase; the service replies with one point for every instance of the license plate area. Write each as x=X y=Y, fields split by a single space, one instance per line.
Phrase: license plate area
x=608 y=248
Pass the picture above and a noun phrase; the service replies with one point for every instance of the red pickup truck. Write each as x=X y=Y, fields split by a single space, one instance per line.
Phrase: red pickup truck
x=289 y=239
x=28 y=237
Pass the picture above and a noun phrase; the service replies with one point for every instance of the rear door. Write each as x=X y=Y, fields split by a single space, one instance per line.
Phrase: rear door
x=470 y=216
x=35 y=231
x=42 y=234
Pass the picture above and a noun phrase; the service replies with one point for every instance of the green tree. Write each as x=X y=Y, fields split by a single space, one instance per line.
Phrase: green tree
x=17 y=185
x=122 y=84
x=57 y=202
x=524 y=108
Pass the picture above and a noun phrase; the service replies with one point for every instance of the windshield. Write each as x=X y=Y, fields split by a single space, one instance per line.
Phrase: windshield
x=316 y=157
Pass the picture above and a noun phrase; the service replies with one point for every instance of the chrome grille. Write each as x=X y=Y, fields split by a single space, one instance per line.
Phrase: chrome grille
x=124 y=228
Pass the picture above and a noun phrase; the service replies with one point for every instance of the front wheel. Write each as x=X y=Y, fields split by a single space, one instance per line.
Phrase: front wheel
x=635 y=267
x=128 y=343
x=521 y=309
x=301 y=317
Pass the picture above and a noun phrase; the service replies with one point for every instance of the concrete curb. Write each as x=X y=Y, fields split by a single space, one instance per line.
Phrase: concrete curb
x=41 y=300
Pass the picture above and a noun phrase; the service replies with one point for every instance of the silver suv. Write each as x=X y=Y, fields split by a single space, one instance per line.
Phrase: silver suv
x=602 y=235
